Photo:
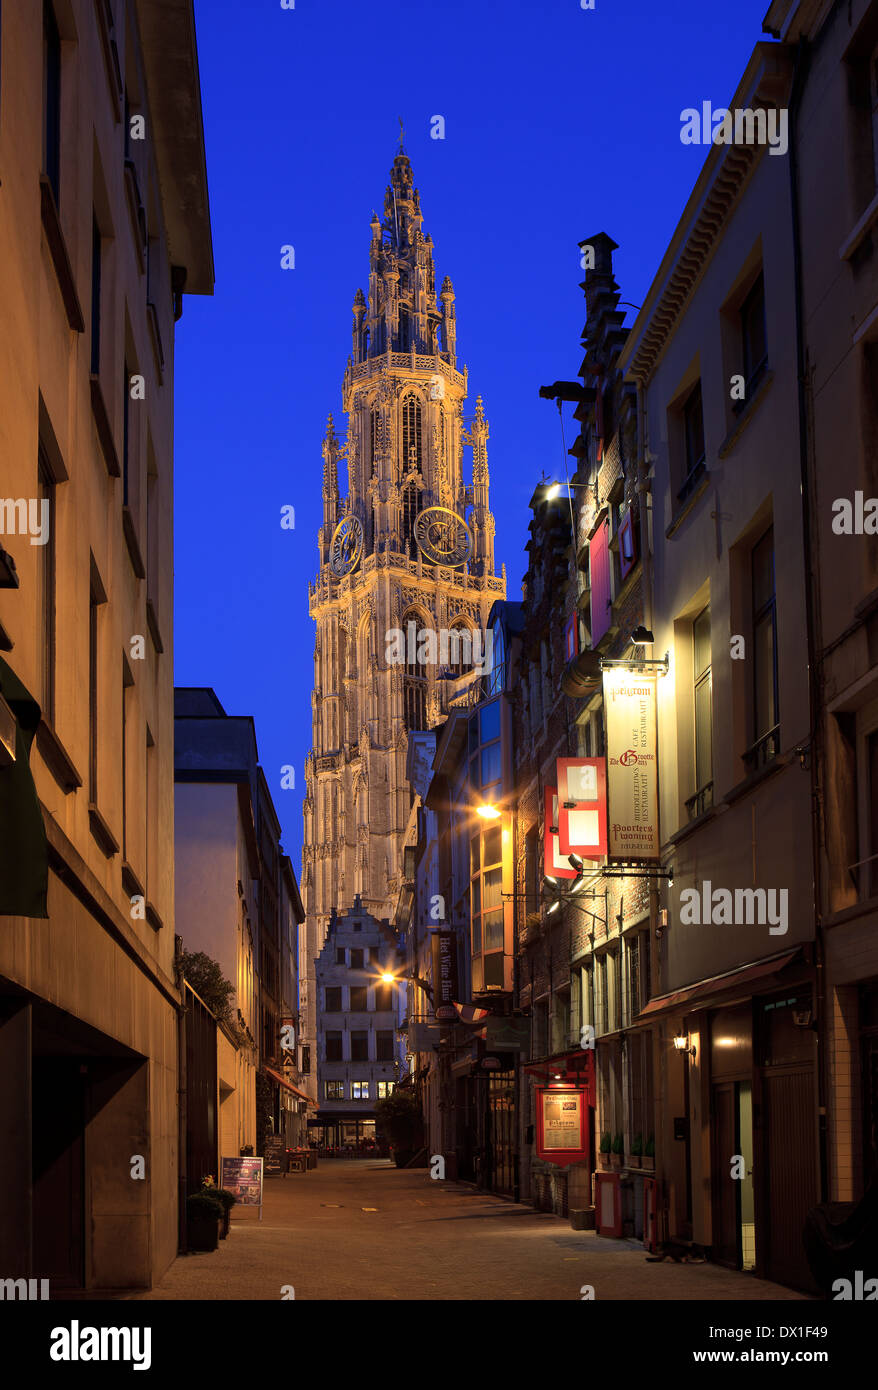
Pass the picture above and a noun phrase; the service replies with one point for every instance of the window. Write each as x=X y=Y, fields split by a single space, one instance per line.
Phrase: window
x=602 y=991
x=334 y=1047
x=703 y=706
x=410 y=510
x=764 y=621
x=415 y=675
x=360 y=1046
x=358 y=999
x=460 y=649
x=127 y=686
x=335 y=1090
x=373 y=423
x=385 y=1088
x=599 y=569
x=753 y=338
x=495 y=680
x=340 y=955
x=411 y=434
x=359 y=1090
x=306 y=1060
x=383 y=998
x=46 y=580
x=52 y=100
x=384 y=1045
x=638 y=967
x=356 y=960
x=93 y=656
x=693 y=440
x=95 y=298
x=404 y=330
x=333 y=999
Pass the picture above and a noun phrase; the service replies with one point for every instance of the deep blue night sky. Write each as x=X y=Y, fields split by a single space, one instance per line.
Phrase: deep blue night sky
x=560 y=123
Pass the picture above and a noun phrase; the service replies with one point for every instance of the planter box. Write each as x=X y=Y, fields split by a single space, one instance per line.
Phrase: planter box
x=202 y=1234
x=648 y=1162
x=582 y=1219
x=616 y=1160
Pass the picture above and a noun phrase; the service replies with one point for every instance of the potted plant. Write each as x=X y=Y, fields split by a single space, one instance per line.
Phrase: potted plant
x=637 y=1148
x=648 y=1160
x=203 y=1217
x=226 y=1200
x=617 y=1153
x=606 y=1147
x=398 y=1116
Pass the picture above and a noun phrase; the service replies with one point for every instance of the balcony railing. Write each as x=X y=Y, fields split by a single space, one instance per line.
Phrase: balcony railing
x=764 y=750
x=702 y=801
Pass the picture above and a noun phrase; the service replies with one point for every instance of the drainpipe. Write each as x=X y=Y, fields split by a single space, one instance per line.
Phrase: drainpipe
x=800 y=74
x=182 y=1175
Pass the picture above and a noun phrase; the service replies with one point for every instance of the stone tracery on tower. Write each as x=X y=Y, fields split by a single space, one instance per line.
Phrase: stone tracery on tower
x=403 y=395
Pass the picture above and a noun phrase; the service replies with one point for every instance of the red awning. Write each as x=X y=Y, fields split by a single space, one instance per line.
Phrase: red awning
x=282 y=1081
x=717 y=984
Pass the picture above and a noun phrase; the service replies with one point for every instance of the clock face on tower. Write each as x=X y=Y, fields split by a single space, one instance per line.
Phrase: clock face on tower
x=443 y=537
x=347 y=546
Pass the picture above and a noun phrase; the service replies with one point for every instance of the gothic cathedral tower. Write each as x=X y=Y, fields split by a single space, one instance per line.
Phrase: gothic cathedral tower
x=410 y=547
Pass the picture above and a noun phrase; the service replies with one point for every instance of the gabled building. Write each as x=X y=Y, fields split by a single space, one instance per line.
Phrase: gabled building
x=360 y=1058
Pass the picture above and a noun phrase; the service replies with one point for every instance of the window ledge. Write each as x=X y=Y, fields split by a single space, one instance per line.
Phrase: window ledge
x=688 y=505
x=60 y=259
x=104 y=428
x=57 y=759
x=152 y=623
x=860 y=231
x=101 y=832
x=152 y=318
x=134 y=554
x=867 y=907
x=130 y=882
x=745 y=416
x=691 y=826
x=760 y=775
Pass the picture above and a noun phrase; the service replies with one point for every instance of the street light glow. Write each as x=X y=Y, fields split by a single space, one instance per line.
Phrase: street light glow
x=388 y=978
x=552 y=492
x=488 y=812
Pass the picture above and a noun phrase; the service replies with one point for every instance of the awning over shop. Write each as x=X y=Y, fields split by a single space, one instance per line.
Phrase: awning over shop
x=717 y=984
x=282 y=1081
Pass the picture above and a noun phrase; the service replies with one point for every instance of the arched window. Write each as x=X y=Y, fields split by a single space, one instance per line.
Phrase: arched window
x=411 y=433
x=365 y=344
x=373 y=440
x=405 y=335
x=415 y=689
x=409 y=512
x=460 y=649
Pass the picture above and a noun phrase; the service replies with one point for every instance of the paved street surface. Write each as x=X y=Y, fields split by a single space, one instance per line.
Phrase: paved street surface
x=426 y=1240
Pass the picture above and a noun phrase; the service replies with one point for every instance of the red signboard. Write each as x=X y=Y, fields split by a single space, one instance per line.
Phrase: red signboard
x=555 y=863
x=582 y=807
x=562 y=1124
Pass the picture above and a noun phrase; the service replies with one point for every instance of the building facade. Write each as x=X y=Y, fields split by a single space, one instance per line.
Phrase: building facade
x=359 y=1053
x=409 y=550
x=104 y=220
x=237 y=901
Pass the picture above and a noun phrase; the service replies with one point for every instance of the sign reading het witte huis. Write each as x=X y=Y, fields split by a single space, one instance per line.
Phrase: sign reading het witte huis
x=632 y=780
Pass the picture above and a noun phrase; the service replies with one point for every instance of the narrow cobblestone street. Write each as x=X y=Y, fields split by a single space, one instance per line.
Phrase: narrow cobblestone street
x=366 y=1230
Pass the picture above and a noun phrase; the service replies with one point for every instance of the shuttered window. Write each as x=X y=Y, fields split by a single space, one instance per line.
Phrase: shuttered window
x=599 y=563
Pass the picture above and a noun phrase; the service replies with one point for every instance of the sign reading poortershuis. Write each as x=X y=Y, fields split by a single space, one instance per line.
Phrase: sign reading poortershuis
x=629 y=706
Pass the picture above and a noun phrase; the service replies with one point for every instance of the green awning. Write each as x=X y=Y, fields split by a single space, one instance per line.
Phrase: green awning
x=24 y=856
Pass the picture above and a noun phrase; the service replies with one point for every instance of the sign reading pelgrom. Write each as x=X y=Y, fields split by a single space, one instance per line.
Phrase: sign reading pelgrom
x=629 y=706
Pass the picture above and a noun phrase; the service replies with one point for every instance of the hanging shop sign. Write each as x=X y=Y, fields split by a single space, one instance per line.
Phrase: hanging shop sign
x=444 y=956
x=507 y=1034
x=555 y=862
x=632 y=777
x=562 y=1124
x=582 y=807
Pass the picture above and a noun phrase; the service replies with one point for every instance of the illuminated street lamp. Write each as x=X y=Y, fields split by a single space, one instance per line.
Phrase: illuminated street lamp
x=488 y=812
